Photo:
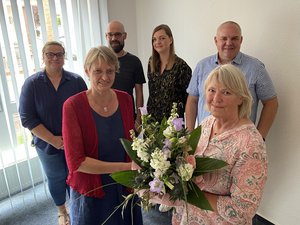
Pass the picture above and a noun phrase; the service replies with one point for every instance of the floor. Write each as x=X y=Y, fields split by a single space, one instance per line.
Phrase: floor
x=30 y=208
x=34 y=207
x=25 y=209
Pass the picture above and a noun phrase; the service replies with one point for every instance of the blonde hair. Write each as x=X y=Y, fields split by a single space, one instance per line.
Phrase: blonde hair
x=234 y=80
x=101 y=53
x=48 y=43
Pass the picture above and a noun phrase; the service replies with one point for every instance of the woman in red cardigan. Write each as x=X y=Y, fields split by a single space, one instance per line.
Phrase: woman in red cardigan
x=93 y=123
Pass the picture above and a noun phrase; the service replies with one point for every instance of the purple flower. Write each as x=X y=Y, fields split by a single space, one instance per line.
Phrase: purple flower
x=156 y=185
x=178 y=123
x=143 y=110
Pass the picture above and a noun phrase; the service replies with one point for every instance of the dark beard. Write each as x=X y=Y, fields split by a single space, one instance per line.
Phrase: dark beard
x=117 y=48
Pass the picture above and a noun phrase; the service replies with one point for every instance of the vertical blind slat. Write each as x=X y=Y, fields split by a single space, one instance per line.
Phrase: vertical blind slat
x=65 y=23
x=21 y=44
x=94 y=23
x=103 y=10
x=42 y=19
x=54 y=20
x=32 y=35
x=8 y=45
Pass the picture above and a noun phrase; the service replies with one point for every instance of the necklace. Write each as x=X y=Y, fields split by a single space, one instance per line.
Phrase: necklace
x=100 y=107
x=106 y=107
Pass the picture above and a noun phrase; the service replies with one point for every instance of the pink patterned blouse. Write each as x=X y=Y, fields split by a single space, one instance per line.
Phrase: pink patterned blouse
x=239 y=185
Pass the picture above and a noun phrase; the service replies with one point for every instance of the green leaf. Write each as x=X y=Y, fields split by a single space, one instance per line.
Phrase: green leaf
x=125 y=178
x=126 y=144
x=207 y=165
x=197 y=198
x=194 y=139
x=131 y=153
x=163 y=125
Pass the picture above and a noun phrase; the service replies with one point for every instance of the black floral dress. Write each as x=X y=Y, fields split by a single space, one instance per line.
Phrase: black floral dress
x=167 y=88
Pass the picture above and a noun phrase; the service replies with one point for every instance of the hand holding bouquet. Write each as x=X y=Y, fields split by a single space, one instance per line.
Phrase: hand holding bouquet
x=165 y=156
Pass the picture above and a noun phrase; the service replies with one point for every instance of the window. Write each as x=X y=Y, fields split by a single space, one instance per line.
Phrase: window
x=25 y=25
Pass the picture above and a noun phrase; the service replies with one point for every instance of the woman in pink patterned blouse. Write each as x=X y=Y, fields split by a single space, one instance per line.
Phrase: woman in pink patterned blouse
x=235 y=191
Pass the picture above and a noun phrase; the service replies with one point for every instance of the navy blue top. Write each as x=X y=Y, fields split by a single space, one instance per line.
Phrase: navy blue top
x=94 y=211
x=40 y=103
x=130 y=73
x=110 y=130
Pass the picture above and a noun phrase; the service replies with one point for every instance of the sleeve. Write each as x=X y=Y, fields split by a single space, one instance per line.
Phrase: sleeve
x=139 y=72
x=184 y=80
x=264 y=89
x=249 y=176
x=27 y=107
x=73 y=137
x=193 y=84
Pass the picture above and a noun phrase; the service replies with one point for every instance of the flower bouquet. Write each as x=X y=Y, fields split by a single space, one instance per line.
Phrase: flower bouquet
x=164 y=155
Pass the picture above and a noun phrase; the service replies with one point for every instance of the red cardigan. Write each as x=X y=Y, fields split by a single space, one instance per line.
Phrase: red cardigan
x=81 y=140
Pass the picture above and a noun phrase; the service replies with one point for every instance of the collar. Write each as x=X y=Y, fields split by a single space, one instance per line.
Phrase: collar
x=237 y=60
x=43 y=76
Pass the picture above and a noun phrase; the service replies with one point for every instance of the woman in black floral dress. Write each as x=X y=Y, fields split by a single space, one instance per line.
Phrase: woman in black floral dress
x=168 y=75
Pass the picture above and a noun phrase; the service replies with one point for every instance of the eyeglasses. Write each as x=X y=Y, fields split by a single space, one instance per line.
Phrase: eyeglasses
x=59 y=55
x=116 y=34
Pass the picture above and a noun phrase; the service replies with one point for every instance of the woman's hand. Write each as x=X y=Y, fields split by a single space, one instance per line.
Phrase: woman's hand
x=57 y=142
x=43 y=133
x=134 y=166
x=164 y=199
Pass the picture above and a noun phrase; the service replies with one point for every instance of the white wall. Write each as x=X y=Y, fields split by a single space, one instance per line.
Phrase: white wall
x=271 y=30
x=125 y=11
